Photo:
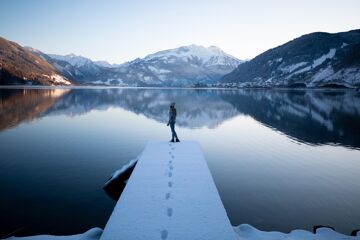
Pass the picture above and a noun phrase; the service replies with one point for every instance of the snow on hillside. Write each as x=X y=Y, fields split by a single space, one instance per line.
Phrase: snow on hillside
x=60 y=80
x=312 y=60
x=104 y=64
x=315 y=63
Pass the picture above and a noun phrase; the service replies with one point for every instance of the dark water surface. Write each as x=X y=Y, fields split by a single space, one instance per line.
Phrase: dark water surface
x=281 y=159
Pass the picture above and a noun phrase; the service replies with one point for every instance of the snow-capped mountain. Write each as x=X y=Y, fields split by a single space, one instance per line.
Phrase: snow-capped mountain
x=198 y=54
x=183 y=66
x=80 y=61
x=313 y=60
x=80 y=69
x=83 y=69
x=74 y=60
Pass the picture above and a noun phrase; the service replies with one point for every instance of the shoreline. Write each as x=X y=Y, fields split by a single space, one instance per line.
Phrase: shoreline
x=171 y=88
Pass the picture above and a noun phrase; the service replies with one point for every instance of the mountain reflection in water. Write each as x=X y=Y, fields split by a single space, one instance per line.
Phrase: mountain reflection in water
x=309 y=116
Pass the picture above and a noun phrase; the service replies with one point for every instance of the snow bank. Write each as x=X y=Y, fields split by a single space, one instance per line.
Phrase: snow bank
x=247 y=232
x=92 y=234
x=122 y=170
x=243 y=231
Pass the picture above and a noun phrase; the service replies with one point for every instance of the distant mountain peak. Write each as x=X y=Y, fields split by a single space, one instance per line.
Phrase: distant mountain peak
x=206 y=55
x=73 y=59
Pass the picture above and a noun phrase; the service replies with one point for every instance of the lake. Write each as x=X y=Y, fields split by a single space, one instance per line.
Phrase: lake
x=281 y=159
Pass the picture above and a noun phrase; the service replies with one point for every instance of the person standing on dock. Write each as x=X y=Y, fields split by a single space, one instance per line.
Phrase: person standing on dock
x=171 y=122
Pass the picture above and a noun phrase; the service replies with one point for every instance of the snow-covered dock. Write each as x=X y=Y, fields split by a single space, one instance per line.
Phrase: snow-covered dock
x=170 y=195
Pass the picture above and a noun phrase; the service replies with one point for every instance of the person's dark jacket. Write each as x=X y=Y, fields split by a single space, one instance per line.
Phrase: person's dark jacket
x=172 y=115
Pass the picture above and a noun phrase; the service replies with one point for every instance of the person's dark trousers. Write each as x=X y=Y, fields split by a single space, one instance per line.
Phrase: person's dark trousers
x=174 y=135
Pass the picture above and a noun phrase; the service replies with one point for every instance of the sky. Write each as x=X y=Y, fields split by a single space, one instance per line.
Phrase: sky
x=119 y=31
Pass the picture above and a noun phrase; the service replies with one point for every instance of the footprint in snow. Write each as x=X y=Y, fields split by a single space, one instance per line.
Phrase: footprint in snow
x=164 y=234
x=169 y=212
x=167 y=196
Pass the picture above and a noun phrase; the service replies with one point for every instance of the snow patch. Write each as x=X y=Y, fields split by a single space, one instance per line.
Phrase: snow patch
x=291 y=68
x=59 y=79
x=92 y=234
x=323 y=74
x=157 y=70
x=317 y=62
x=123 y=169
x=323 y=58
x=247 y=232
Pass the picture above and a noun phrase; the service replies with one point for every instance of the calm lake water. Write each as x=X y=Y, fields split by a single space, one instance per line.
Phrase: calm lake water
x=281 y=159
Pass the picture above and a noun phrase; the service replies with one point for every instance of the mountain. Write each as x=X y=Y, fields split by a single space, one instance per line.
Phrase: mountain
x=184 y=66
x=77 y=68
x=314 y=60
x=18 y=65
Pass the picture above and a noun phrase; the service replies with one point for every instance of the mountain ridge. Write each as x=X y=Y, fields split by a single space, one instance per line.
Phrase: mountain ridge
x=19 y=66
x=313 y=60
x=182 y=66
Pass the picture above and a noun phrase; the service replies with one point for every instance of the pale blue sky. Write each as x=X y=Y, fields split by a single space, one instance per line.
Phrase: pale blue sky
x=119 y=31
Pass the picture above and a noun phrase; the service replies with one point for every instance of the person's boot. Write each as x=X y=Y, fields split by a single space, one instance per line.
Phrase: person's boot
x=177 y=140
x=172 y=140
